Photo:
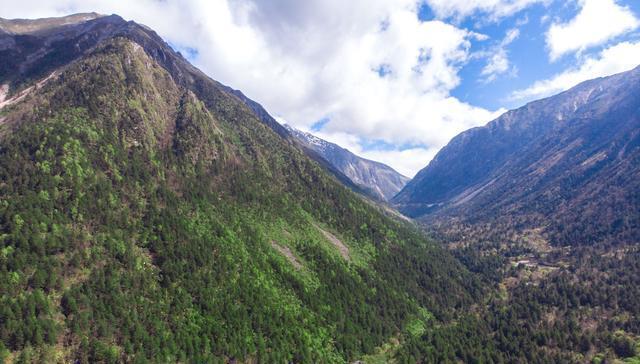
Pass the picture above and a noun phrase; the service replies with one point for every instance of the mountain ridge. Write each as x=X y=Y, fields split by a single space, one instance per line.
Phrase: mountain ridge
x=31 y=26
x=149 y=214
x=526 y=147
x=382 y=181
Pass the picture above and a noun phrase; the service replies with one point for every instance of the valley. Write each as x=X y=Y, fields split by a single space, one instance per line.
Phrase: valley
x=149 y=213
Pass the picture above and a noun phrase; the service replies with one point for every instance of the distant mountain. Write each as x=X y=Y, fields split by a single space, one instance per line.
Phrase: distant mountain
x=40 y=26
x=568 y=166
x=378 y=179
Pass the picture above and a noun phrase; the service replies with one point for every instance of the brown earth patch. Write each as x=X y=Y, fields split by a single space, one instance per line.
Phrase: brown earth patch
x=342 y=248
x=284 y=250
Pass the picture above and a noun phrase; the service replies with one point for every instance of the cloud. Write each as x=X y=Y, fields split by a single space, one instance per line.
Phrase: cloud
x=597 y=22
x=615 y=59
x=498 y=58
x=496 y=9
x=317 y=59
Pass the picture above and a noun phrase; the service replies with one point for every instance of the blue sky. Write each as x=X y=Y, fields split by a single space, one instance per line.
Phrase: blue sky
x=391 y=80
x=528 y=53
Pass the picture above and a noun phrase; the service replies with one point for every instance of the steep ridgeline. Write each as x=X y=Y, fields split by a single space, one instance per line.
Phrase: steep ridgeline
x=568 y=166
x=376 y=179
x=284 y=132
x=147 y=214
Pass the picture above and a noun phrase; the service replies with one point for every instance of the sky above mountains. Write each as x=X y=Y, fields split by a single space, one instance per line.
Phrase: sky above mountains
x=391 y=80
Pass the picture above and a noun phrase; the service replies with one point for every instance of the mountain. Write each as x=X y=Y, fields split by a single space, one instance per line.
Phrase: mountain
x=150 y=214
x=544 y=204
x=379 y=180
x=567 y=166
x=285 y=132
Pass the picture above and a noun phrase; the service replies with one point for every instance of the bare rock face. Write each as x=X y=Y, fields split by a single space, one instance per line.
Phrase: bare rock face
x=568 y=163
x=377 y=179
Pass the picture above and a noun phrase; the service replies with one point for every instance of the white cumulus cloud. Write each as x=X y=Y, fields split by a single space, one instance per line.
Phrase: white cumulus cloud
x=615 y=59
x=498 y=58
x=597 y=22
x=495 y=9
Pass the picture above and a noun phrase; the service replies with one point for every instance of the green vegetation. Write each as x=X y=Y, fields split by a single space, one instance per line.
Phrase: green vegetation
x=146 y=215
x=578 y=306
x=136 y=225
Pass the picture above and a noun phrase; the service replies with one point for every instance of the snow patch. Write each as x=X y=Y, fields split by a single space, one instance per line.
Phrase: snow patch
x=4 y=91
x=136 y=46
x=594 y=159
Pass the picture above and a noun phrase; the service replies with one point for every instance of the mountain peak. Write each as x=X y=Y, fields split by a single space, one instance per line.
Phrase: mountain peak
x=34 y=26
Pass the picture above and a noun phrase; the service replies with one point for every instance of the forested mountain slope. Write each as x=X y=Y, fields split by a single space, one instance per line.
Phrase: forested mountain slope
x=151 y=214
x=568 y=165
x=544 y=203
x=148 y=215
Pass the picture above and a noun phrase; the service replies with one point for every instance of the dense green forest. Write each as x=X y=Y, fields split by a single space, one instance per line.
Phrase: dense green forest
x=148 y=215
x=141 y=224
x=586 y=309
